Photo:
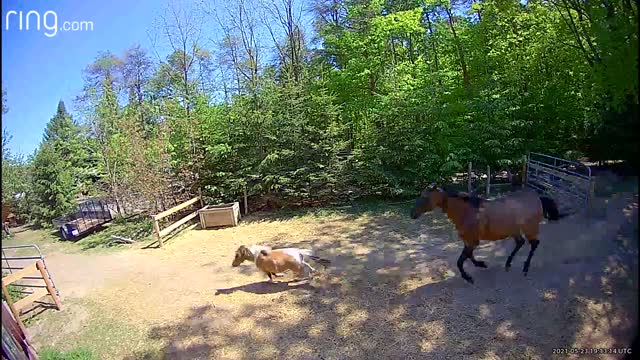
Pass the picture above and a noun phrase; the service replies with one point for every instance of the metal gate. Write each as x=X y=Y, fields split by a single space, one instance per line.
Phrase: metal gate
x=569 y=182
x=16 y=262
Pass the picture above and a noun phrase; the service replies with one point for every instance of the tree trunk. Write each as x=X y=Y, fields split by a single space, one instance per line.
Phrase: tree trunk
x=434 y=49
x=465 y=73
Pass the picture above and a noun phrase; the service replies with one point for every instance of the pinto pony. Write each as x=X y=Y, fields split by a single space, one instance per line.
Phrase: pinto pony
x=274 y=262
x=516 y=215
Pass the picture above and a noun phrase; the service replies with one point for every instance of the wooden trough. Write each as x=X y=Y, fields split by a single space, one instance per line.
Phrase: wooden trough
x=219 y=215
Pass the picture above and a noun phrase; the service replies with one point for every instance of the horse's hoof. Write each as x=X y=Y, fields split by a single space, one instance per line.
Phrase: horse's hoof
x=507 y=268
x=468 y=278
x=481 y=264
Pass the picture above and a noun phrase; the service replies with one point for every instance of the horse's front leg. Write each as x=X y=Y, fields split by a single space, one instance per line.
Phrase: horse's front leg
x=519 y=242
x=467 y=252
x=270 y=275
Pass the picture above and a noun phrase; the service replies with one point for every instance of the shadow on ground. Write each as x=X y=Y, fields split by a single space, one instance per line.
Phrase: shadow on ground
x=267 y=288
x=393 y=292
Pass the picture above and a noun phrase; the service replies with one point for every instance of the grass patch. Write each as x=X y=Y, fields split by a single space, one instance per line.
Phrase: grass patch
x=89 y=327
x=14 y=293
x=47 y=240
x=371 y=207
x=137 y=228
x=76 y=354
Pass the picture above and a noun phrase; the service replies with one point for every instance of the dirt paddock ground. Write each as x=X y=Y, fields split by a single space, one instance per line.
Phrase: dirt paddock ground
x=393 y=292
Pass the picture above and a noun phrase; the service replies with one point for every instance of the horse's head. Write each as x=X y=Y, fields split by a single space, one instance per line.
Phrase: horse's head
x=242 y=254
x=431 y=197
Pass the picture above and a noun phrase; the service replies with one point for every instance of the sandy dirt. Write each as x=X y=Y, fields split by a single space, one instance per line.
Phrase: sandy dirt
x=393 y=291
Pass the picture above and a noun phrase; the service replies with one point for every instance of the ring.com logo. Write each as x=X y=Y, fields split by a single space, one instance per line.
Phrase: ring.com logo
x=47 y=22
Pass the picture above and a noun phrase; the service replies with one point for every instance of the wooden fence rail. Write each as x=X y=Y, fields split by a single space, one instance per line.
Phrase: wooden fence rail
x=37 y=294
x=160 y=233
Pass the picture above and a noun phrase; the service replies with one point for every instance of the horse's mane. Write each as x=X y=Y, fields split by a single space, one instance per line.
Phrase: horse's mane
x=471 y=199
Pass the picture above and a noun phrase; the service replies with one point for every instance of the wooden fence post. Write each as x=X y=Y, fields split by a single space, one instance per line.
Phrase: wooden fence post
x=156 y=230
x=14 y=311
x=469 y=179
x=488 y=180
x=524 y=171
x=200 y=196
x=246 y=209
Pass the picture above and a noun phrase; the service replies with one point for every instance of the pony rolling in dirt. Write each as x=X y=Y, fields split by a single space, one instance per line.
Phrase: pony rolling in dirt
x=274 y=262
x=516 y=215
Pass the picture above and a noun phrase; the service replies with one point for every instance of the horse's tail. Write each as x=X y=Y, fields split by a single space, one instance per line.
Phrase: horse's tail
x=309 y=253
x=550 y=209
x=319 y=260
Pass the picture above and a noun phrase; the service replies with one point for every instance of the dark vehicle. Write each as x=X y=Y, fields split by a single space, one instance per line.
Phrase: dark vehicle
x=89 y=216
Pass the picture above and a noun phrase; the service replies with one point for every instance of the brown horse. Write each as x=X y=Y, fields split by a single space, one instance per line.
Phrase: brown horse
x=516 y=215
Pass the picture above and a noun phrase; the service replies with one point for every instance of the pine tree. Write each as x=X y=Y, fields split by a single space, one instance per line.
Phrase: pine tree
x=59 y=166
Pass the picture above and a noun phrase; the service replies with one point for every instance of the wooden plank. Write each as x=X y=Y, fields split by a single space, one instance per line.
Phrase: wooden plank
x=16 y=313
x=175 y=225
x=11 y=278
x=156 y=231
x=524 y=171
x=220 y=215
x=246 y=209
x=469 y=188
x=11 y=343
x=176 y=208
x=52 y=291
x=24 y=302
x=16 y=330
x=488 y=179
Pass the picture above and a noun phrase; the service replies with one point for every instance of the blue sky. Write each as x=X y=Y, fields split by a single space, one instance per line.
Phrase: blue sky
x=38 y=71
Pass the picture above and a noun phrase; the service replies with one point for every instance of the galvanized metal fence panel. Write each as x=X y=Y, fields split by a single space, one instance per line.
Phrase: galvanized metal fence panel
x=569 y=182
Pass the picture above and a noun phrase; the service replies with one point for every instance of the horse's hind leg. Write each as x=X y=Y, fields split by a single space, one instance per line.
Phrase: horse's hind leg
x=519 y=242
x=477 y=263
x=534 y=245
x=308 y=269
x=467 y=252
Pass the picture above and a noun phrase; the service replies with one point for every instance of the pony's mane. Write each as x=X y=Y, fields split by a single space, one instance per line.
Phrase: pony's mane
x=471 y=199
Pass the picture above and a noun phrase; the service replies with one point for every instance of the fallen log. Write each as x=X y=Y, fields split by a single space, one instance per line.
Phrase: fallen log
x=120 y=239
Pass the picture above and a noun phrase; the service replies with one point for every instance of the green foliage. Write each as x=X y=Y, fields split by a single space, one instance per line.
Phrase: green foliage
x=59 y=167
x=399 y=94
x=137 y=228
x=14 y=293
x=75 y=354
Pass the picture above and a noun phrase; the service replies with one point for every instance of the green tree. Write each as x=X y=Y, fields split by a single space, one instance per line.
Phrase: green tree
x=59 y=166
